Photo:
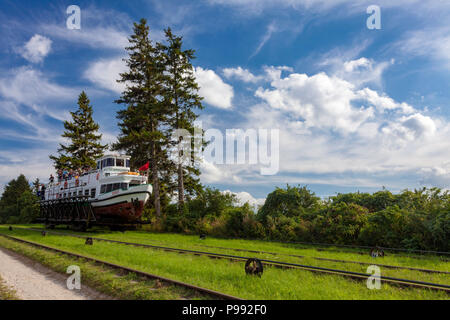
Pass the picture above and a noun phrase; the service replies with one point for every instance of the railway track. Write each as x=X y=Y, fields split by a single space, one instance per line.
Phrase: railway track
x=276 y=264
x=202 y=290
x=261 y=252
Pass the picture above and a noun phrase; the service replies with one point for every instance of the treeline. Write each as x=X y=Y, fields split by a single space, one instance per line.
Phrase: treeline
x=18 y=203
x=418 y=219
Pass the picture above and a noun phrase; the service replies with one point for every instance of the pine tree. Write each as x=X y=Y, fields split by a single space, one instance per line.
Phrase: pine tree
x=8 y=201
x=141 y=123
x=181 y=97
x=85 y=144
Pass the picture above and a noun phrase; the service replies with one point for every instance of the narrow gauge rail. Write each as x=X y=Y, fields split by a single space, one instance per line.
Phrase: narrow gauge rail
x=280 y=264
x=262 y=252
x=368 y=247
x=209 y=292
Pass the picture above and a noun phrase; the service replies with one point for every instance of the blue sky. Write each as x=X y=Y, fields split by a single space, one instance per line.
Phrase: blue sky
x=356 y=109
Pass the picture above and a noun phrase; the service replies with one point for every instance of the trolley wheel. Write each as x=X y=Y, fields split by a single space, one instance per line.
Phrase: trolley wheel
x=254 y=267
x=10 y=228
x=89 y=241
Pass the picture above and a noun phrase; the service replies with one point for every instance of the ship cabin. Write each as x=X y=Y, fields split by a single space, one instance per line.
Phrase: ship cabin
x=112 y=175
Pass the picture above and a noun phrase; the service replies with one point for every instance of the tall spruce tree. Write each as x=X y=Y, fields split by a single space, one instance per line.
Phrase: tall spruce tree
x=10 y=196
x=141 y=123
x=181 y=98
x=84 y=146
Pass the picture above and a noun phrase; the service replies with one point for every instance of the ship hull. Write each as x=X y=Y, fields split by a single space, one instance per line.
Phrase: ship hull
x=122 y=207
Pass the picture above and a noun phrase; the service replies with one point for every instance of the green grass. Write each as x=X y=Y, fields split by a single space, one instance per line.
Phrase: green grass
x=225 y=276
x=7 y=293
x=194 y=243
x=103 y=279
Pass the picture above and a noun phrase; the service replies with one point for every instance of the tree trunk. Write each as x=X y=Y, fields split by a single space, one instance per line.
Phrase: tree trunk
x=156 y=192
x=180 y=188
x=155 y=179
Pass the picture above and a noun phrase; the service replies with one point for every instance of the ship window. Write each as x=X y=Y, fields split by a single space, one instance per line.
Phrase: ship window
x=134 y=183
x=109 y=188
x=64 y=195
x=116 y=186
x=80 y=193
x=86 y=192
x=128 y=163
x=92 y=193
x=98 y=165
x=110 y=162
x=124 y=186
x=119 y=163
x=103 y=188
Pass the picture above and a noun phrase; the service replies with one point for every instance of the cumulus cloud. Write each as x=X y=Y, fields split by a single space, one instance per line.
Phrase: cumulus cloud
x=412 y=127
x=318 y=101
x=105 y=72
x=335 y=131
x=212 y=173
x=382 y=102
x=245 y=197
x=36 y=49
x=437 y=176
x=241 y=74
x=215 y=92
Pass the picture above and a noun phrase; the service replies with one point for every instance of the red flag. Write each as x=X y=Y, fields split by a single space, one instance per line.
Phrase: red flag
x=144 y=167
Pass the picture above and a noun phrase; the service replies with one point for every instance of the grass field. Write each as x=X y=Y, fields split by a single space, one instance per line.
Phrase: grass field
x=229 y=277
x=193 y=242
x=103 y=279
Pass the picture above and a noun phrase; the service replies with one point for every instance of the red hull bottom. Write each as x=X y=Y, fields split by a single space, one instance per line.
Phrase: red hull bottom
x=120 y=212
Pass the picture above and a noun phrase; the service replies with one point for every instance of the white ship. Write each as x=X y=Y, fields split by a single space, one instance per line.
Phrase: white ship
x=115 y=192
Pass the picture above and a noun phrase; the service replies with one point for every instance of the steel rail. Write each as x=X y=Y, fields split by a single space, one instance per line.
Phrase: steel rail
x=288 y=265
x=127 y=269
x=254 y=251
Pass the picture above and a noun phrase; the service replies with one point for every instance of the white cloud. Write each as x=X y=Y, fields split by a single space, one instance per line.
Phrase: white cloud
x=34 y=89
x=412 y=127
x=242 y=74
x=216 y=92
x=383 y=102
x=95 y=37
x=36 y=49
x=270 y=30
x=325 y=6
x=432 y=42
x=35 y=164
x=318 y=101
x=245 y=197
x=332 y=131
x=105 y=72
x=437 y=176
x=212 y=173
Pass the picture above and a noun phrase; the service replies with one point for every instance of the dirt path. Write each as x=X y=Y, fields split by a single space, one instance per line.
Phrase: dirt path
x=33 y=281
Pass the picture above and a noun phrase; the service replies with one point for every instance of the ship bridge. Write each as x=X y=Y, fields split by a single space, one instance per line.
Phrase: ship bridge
x=113 y=163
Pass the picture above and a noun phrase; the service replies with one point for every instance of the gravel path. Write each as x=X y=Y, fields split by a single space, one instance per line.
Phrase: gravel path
x=33 y=281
